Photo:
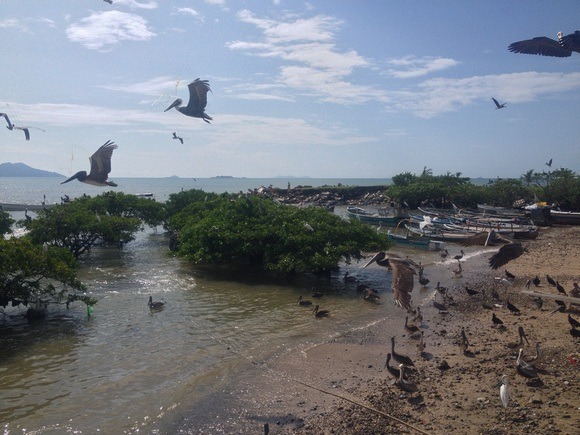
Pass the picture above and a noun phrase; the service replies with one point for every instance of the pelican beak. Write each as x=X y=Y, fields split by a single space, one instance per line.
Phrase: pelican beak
x=74 y=177
x=375 y=258
x=174 y=104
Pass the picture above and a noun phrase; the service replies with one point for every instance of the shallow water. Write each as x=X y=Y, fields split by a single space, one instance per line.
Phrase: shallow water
x=127 y=369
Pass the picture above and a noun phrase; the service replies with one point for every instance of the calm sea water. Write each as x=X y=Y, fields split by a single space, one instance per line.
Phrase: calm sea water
x=128 y=370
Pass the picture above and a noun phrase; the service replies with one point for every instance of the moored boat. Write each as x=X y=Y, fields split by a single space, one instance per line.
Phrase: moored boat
x=387 y=216
x=565 y=217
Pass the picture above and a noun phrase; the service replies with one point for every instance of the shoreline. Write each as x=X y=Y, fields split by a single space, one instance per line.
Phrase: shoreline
x=300 y=393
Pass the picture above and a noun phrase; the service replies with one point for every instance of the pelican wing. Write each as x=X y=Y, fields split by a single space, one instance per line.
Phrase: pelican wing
x=496 y=102
x=485 y=238
x=10 y=125
x=506 y=253
x=198 y=90
x=571 y=42
x=101 y=162
x=402 y=282
x=541 y=45
x=26 y=132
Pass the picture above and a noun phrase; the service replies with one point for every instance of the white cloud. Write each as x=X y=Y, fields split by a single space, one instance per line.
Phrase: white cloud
x=154 y=86
x=103 y=29
x=411 y=66
x=187 y=11
x=133 y=4
x=12 y=23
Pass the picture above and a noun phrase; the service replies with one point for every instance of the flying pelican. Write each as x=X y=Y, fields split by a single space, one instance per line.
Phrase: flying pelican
x=403 y=383
x=504 y=391
x=545 y=46
x=100 y=167
x=109 y=1
x=177 y=137
x=198 y=90
x=392 y=370
x=524 y=368
x=402 y=281
x=10 y=126
x=549 y=164
x=497 y=105
x=25 y=130
x=320 y=313
x=155 y=305
x=506 y=253
x=403 y=359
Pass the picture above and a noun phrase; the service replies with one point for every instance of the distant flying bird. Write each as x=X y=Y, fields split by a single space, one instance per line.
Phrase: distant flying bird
x=109 y=1
x=545 y=46
x=497 y=105
x=402 y=281
x=10 y=126
x=198 y=90
x=177 y=137
x=549 y=164
x=506 y=253
x=100 y=167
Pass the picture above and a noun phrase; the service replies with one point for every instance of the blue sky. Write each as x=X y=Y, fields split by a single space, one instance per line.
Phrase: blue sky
x=321 y=88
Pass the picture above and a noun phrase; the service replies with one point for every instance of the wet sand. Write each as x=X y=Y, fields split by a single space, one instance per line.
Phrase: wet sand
x=342 y=387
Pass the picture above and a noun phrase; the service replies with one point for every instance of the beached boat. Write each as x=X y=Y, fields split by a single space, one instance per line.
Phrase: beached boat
x=386 y=216
x=565 y=217
x=405 y=237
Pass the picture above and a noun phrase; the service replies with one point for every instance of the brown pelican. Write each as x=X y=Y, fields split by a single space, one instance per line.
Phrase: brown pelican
x=177 y=137
x=25 y=130
x=504 y=392
x=403 y=359
x=485 y=238
x=534 y=359
x=545 y=46
x=444 y=253
x=403 y=383
x=418 y=316
x=457 y=273
x=402 y=280
x=303 y=302
x=497 y=105
x=198 y=90
x=392 y=370
x=410 y=328
x=10 y=126
x=100 y=167
x=506 y=253
x=524 y=368
x=519 y=344
x=421 y=345
x=320 y=313
x=109 y=1
x=155 y=305
x=370 y=295
x=549 y=164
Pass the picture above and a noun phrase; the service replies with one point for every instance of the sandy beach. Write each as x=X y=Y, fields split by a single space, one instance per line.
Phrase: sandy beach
x=342 y=386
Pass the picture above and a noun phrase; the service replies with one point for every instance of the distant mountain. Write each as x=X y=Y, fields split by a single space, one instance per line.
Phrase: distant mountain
x=22 y=170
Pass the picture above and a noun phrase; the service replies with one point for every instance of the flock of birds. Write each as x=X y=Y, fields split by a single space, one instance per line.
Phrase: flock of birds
x=403 y=271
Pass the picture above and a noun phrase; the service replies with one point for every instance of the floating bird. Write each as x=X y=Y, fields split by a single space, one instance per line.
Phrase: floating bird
x=198 y=90
x=155 y=305
x=536 y=281
x=177 y=137
x=410 y=328
x=459 y=256
x=10 y=126
x=497 y=105
x=525 y=369
x=573 y=321
x=402 y=280
x=512 y=307
x=549 y=164
x=303 y=302
x=444 y=254
x=545 y=46
x=403 y=359
x=370 y=295
x=392 y=370
x=463 y=342
x=506 y=253
x=496 y=320
x=316 y=294
x=504 y=391
x=550 y=280
x=403 y=383
x=320 y=313
x=348 y=278
x=100 y=167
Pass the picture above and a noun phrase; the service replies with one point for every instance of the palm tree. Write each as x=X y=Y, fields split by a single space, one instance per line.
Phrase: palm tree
x=528 y=177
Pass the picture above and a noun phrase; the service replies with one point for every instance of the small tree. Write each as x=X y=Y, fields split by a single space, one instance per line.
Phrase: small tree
x=30 y=273
x=5 y=223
